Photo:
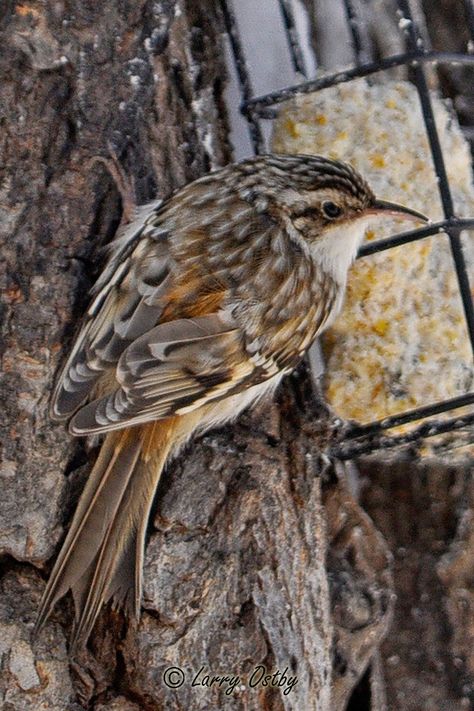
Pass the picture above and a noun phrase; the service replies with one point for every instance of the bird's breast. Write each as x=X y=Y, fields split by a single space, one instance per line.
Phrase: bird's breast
x=287 y=312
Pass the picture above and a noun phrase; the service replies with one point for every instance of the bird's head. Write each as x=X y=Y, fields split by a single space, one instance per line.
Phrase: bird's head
x=329 y=204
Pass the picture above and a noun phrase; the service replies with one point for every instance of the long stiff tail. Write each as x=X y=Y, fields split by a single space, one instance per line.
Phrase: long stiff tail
x=102 y=555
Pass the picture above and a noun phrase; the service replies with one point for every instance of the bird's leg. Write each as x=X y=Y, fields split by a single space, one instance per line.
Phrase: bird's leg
x=123 y=182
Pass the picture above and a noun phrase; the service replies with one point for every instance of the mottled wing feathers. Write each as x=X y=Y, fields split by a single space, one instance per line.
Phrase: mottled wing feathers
x=172 y=369
x=128 y=301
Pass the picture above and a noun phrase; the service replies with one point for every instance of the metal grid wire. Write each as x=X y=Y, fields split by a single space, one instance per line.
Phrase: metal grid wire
x=361 y=439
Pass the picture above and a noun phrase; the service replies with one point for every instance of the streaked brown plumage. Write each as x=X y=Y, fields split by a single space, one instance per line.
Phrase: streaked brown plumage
x=206 y=301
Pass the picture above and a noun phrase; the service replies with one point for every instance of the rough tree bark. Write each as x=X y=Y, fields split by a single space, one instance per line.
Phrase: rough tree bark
x=425 y=511
x=258 y=554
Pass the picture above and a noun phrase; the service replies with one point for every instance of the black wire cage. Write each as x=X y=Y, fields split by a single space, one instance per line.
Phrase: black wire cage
x=418 y=59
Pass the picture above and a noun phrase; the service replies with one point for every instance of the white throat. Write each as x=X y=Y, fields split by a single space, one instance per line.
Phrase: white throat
x=336 y=251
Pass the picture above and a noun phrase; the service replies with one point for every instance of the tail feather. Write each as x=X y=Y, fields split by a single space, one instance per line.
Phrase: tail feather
x=102 y=554
x=115 y=571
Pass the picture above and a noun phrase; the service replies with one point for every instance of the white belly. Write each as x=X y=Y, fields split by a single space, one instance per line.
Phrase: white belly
x=218 y=413
x=229 y=408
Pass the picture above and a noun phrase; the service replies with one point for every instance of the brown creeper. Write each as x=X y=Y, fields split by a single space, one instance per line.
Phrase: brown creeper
x=206 y=301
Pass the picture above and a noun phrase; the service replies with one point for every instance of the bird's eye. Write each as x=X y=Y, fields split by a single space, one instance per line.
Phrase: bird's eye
x=331 y=210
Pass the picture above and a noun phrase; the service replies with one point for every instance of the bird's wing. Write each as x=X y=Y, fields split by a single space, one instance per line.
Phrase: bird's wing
x=172 y=369
x=128 y=300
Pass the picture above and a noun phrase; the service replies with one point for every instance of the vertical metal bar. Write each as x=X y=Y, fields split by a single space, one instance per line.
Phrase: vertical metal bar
x=357 y=42
x=416 y=42
x=246 y=89
x=296 y=52
x=463 y=279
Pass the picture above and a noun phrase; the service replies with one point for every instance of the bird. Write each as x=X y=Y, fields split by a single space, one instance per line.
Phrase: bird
x=206 y=301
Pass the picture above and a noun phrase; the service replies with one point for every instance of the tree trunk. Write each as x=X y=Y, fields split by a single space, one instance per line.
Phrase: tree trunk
x=259 y=556
x=424 y=510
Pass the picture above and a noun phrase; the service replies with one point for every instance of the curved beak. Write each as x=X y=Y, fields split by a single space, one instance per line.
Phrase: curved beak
x=383 y=207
